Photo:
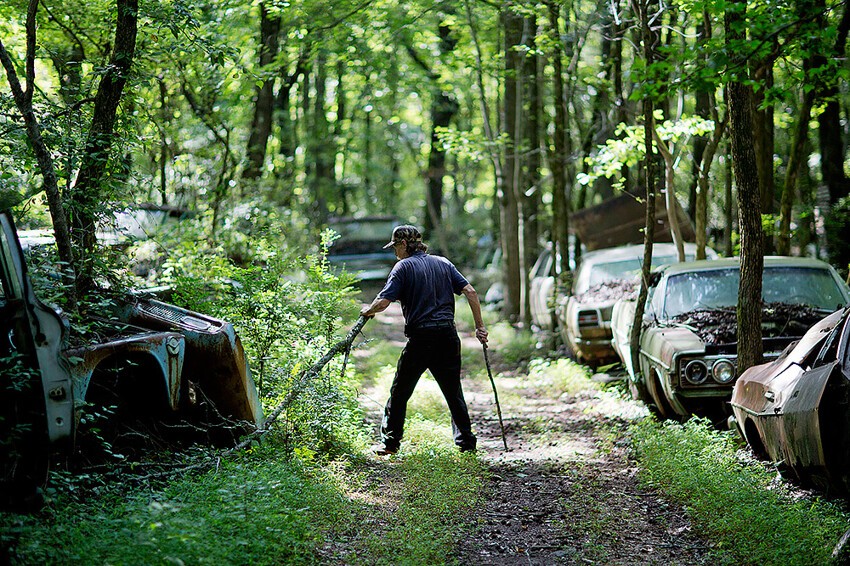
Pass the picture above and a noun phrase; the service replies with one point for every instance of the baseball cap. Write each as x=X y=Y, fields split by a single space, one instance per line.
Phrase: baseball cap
x=405 y=232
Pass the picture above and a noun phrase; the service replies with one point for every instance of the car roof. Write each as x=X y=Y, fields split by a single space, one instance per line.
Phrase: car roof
x=636 y=250
x=727 y=262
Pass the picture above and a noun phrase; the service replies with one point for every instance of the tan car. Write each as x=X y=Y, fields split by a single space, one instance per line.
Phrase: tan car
x=688 y=349
x=796 y=409
x=603 y=277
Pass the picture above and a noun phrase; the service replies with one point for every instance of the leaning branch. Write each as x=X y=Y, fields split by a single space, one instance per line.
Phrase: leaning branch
x=303 y=380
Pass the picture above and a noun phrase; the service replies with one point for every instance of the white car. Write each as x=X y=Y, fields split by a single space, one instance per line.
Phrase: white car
x=603 y=277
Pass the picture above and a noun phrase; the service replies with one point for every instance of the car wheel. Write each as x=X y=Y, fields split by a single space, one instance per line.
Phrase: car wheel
x=662 y=404
x=754 y=440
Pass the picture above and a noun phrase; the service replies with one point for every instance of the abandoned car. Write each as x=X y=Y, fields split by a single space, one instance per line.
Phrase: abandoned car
x=541 y=290
x=360 y=247
x=687 y=348
x=795 y=410
x=603 y=277
x=147 y=361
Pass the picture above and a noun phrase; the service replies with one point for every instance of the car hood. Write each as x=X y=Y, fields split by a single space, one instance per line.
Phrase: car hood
x=592 y=303
x=664 y=342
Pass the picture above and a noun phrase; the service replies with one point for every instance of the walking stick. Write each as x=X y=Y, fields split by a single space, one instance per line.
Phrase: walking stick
x=496 y=396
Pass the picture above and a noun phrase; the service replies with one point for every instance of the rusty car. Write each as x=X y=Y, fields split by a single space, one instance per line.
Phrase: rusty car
x=795 y=410
x=604 y=276
x=687 y=349
x=146 y=361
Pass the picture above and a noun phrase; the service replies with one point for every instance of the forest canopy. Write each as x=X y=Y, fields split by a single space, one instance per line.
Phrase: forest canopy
x=486 y=123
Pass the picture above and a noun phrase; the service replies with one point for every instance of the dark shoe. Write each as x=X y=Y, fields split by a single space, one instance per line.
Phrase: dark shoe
x=467 y=449
x=386 y=450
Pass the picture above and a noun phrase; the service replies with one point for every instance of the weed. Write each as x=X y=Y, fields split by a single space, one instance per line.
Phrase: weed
x=260 y=509
x=735 y=501
x=556 y=377
x=437 y=488
x=514 y=346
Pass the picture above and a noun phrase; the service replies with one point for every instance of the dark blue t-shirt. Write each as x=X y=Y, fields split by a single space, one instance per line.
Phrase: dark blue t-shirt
x=425 y=286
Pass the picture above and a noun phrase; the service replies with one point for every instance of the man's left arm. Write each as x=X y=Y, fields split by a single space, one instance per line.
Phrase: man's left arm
x=475 y=306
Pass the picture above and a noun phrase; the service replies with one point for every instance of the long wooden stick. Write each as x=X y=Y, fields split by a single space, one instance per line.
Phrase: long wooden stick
x=496 y=396
x=341 y=346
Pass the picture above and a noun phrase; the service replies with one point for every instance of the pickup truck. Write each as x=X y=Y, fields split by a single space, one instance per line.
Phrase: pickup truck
x=149 y=362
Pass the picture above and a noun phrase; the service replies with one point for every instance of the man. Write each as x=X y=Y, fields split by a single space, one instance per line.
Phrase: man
x=425 y=285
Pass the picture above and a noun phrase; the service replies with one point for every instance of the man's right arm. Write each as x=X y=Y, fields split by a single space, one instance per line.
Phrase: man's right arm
x=378 y=305
x=475 y=306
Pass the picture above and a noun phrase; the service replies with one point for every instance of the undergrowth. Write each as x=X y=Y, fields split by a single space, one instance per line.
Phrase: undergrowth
x=258 y=509
x=735 y=501
x=438 y=487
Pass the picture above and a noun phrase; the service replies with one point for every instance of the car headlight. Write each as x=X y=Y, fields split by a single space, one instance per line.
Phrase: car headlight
x=723 y=371
x=696 y=372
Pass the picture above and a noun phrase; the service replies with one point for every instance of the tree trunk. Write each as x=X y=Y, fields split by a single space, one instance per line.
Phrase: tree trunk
x=261 y=124
x=749 y=207
x=320 y=148
x=728 y=203
x=531 y=187
x=798 y=145
x=88 y=194
x=649 y=39
x=510 y=211
x=829 y=125
x=558 y=159
x=443 y=109
x=50 y=182
x=762 y=135
x=670 y=200
x=703 y=185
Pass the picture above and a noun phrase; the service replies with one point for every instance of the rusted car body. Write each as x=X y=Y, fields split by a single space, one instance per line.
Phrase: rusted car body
x=148 y=359
x=688 y=350
x=795 y=410
x=602 y=277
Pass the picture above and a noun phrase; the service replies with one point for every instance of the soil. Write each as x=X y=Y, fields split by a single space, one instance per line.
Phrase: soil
x=567 y=490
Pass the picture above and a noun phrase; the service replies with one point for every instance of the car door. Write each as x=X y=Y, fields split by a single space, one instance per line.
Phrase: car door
x=36 y=407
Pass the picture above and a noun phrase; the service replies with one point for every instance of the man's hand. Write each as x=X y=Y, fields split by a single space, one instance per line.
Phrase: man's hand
x=378 y=305
x=481 y=334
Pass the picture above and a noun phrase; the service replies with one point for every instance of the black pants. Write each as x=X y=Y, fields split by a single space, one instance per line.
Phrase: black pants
x=437 y=350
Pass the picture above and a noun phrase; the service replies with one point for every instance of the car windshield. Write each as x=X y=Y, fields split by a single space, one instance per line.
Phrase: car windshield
x=718 y=288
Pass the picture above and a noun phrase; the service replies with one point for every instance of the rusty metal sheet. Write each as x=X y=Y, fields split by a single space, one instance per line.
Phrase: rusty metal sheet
x=800 y=424
x=165 y=349
x=215 y=358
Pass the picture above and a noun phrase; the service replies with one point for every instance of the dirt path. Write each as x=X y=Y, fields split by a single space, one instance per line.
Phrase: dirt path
x=566 y=492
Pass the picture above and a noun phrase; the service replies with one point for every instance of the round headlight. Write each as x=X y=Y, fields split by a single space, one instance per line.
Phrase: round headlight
x=696 y=372
x=723 y=371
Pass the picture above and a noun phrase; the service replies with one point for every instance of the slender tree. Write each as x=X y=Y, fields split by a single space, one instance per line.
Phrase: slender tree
x=749 y=203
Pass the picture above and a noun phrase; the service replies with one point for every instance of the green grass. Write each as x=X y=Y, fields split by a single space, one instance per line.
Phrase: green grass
x=257 y=509
x=557 y=377
x=263 y=508
x=513 y=346
x=438 y=487
x=734 y=501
